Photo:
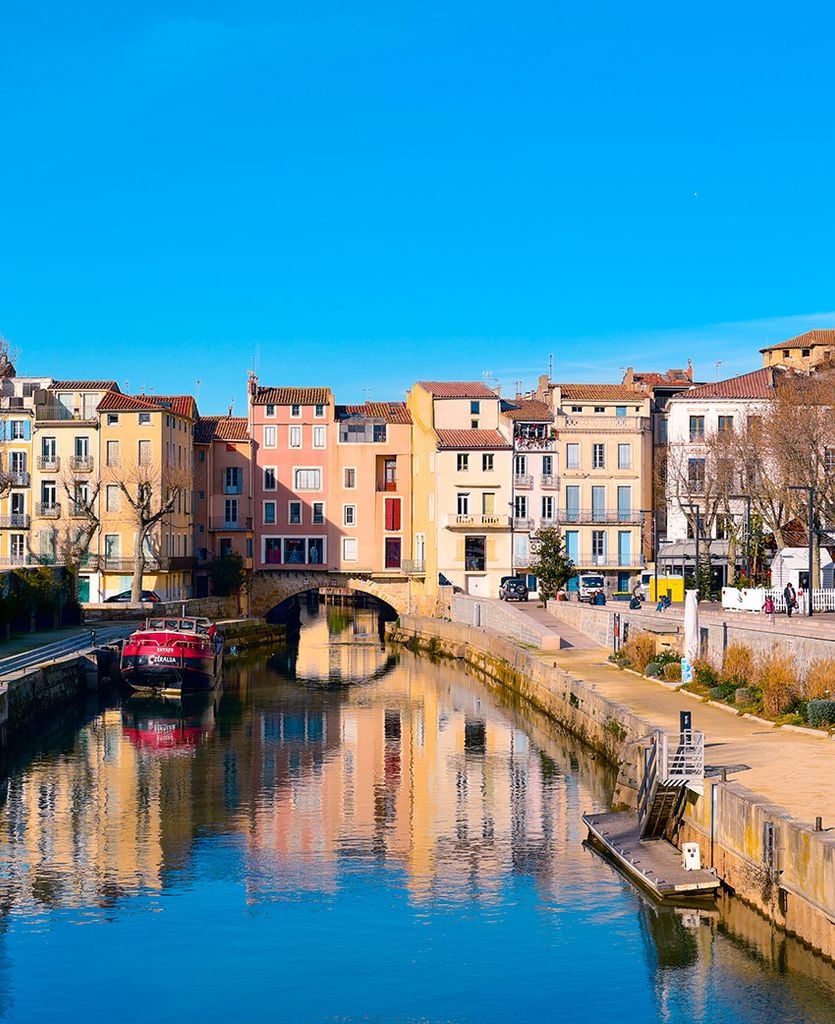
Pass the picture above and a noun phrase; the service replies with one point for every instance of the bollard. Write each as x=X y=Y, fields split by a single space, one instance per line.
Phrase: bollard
x=819 y=824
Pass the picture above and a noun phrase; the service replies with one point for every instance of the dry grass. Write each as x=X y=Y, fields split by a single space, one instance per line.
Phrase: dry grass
x=640 y=649
x=820 y=679
x=672 y=671
x=777 y=676
x=738 y=664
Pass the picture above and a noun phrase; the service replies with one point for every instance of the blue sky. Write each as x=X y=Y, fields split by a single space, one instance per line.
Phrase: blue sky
x=366 y=194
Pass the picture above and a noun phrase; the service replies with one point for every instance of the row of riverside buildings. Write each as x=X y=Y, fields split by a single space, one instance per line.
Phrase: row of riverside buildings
x=448 y=487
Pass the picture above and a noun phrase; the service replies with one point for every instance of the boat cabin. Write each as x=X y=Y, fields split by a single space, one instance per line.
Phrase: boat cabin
x=173 y=625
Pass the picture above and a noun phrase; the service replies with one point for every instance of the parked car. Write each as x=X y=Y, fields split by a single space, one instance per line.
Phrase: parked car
x=513 y=588
x=147 y=595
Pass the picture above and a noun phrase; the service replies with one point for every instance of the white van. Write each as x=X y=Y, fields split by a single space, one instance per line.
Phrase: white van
x=588 y=583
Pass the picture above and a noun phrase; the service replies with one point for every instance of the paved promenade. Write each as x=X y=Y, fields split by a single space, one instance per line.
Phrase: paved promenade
x=793 y=769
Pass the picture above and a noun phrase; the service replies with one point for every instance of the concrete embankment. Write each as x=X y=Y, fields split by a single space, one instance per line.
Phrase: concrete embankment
x=35 y=692
x=776 y=863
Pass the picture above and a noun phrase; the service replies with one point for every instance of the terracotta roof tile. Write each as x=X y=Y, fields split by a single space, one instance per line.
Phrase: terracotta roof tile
x=220 y=428
x=808 y=340
x=601 y=392
x=292 y=396
x=492 y=439
x=390 y=412
x=527 y=409
x=758 y=384
x=457 y=389
x=84 y=385
x=180 y=405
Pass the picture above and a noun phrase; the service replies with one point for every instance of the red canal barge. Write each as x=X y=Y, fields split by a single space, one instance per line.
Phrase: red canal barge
x=173 y=656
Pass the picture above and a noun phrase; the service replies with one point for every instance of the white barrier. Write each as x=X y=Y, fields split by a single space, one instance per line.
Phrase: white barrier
x=751 y=599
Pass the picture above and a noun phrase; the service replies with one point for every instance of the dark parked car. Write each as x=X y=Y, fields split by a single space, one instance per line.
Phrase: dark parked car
x=147 y=595
x=513 y=588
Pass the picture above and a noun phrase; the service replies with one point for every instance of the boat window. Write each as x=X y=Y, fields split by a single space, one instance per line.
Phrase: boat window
x=172 y=623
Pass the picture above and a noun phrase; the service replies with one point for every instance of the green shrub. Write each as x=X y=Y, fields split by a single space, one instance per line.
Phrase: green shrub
x=704 y=673
x=653 y=670
x=744 y=695
x=668 y=658
x=820 y=712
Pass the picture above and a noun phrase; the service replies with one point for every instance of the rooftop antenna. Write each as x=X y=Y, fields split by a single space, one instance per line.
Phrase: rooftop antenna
x=197 y=384
x=550 y=366
x=367 y=394
x=126 y=386
x=231 y=407
x=718 y=364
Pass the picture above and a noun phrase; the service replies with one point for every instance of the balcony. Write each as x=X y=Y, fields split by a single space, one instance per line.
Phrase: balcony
x=481 y=522
x=49 y=463
x=625 y=517
x=233 y=488
x=61 y=414
x=180 y=563
x=19 y=479
x=222 y=524
x=523 y=442
x=521 y=523
x=414 y=566
x=586 y=561
x=603 y=424
x=81 y=463
x=48 y=509
x=549 y=482
x=16 y=521
x=523 y=481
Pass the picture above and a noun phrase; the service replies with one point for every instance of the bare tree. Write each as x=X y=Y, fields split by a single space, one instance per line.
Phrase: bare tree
x=74 y=538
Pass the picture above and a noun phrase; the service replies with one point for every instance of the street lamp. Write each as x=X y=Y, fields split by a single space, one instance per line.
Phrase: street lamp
x=697 y=530
x=810 y=492
x=654 y=513
x=747 y=499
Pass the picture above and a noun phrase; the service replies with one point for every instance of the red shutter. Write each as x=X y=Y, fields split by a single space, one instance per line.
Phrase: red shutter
x=392 y=513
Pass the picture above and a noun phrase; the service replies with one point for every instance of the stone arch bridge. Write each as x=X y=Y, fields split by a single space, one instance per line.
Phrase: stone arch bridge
x=272 y=586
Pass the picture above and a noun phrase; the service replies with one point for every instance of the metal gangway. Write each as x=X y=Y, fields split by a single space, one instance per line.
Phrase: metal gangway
x=82 y=643
x=671 y=763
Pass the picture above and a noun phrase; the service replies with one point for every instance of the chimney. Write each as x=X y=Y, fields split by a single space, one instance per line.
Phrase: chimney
x=253 y=382
x=690 y=369
x=629 y=376
x=542 y=387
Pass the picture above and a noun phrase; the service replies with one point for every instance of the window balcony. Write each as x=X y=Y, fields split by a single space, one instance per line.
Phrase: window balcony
x=523 y=481
x=626 y=517
x=591 y=561
x=481 y=522
x=233 y=488
x=61 y=414
x=414 y=567
x=534 y=444
x=221 y=524
x=522 y=523
x=78 y=511
x=81 y=463
x=49 y=463
x=16 y=521
x=549 y=482
x=603 y=424
x=19 y=479
x=48 y=509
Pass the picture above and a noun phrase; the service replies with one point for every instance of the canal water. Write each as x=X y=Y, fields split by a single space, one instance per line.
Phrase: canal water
x=348 y=835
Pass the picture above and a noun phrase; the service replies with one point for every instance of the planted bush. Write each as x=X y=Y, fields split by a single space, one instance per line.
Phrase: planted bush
x=654 y=670
x=738 y=664
x=777 y=676
x=820 y=712
x=820 y=679
x=672 y=671
x=744 y=695
x=704 y=673
x=640 y=649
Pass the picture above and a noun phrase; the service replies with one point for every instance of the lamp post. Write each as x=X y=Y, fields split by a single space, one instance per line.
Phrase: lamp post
x=810 y=493
x=747 y=499
x=697 y=530
x=654 y=513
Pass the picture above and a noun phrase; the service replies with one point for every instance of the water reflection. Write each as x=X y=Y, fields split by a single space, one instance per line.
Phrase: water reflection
x=413 y=799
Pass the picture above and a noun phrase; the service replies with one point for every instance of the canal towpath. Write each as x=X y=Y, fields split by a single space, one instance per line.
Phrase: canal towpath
x=793 y=768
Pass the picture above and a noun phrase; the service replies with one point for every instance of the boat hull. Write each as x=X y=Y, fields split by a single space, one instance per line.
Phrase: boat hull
x=191 y=674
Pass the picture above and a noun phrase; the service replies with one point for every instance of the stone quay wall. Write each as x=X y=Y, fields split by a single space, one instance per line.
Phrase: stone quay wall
x=780 y=866
x=35 y=692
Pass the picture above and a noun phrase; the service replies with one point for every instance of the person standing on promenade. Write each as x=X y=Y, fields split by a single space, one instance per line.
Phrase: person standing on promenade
x=768 y=608
x=790 y=599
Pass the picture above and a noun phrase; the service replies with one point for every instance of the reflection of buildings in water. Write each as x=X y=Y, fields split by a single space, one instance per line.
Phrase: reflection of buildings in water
x=341 y=645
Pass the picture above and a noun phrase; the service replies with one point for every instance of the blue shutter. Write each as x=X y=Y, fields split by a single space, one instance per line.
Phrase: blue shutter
x=572 y=544
x=624 y=547
x=572 y=504
x=27 y=430
x=624 y=504
x=598 y=504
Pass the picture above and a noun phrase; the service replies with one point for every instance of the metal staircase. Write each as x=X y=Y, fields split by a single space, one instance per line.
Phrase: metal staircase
x=666 y=775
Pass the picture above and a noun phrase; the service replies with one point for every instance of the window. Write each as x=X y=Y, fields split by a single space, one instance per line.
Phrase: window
x=598 y=456
x=572 y=504
x=230 y=512
x=111 y=545
x=349 y=478
x=112 y=419
x=112 y=453
x=17 y=430
x=520 y=507
x=201 y=456
x=624 y=456
x=624 y=504
x=463 y=462
x=463 y=503
x=475 y=554
x=294 y=513
x=233 y=480
x=49 y=448
x=378 y=432
x=144 y=453
x=269 y=478
x=269 y=437
x=318 y=437
x=726 y=424
x=696 y=475
x=620 y=410
x=349 y=515
x=201 y=495
x=547 y=507
x=18 y=545
x=295 y=410
x=487 y=463
x=144 y=419
x=576 y=408
x=572 y=456
x=390 y=474
x=269 y=513
x=349 y=549
x=473 y=424
x=697 y=428
x=295 y=437
x=112 y=498
x=393 y=552
x=81 y=447
x=828 y=460
x=17 y=462
x=392 y=512
x=600 y=408
x=319 y=409
x=785 y=353
x=318 y=516
x=316 y=550
x=488 y=503
x=598 y=504
x=270 y=409
x=520 y=465
x=307 y=480
x=475 y=408
x=804 y=352
x=598 y=545
x=547 y=465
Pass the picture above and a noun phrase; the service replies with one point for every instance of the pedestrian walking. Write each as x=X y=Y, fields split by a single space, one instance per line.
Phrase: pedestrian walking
x=790 y=598
x=768 y=607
